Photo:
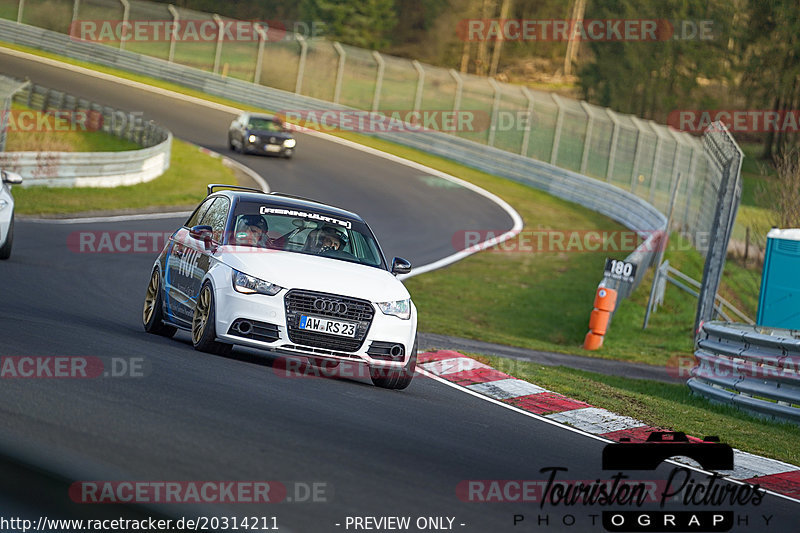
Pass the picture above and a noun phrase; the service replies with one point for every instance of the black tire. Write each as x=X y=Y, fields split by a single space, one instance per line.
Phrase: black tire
x=5 y=250
x=230 y=144
x=153 y=310
x=396 y=379
x=204 y=330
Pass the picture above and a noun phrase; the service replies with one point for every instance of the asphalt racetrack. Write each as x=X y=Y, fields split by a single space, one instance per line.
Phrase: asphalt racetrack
x=188 y=416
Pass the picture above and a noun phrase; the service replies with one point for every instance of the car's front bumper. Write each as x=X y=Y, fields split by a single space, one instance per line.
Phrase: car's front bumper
x=268 y=314
x=268 y=149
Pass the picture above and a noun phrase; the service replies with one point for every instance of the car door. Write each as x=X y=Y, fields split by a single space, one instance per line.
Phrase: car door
x=198 y=257
x=175 y=282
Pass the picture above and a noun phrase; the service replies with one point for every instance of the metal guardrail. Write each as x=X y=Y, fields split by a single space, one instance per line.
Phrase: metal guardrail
x=89 y=169
x=754 y=368
x=8 y=88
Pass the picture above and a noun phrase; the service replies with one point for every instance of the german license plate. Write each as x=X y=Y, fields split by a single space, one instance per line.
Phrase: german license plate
x=272 y=147
x=331 y=327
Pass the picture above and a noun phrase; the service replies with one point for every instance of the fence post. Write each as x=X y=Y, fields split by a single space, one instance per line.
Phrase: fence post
x=459 y=89
x=376 y=98
x=636 y=155
x=262 y=40
x=126 y=10
x=557 y=133
x=20 y=10
x=612 y=155
x=689 y=188
x=662 y=245
x=526 y=136
x=420 y=84
x=723 y=151
x=176 y=18
x=337 y=91
x=218 y=48
x=676 y=159
x=589 y=126
x=75 y=7
x=656 y=158
x=301 y=67
x=495 y=110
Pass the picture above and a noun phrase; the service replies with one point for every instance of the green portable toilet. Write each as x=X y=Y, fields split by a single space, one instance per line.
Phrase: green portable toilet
x=779 y=301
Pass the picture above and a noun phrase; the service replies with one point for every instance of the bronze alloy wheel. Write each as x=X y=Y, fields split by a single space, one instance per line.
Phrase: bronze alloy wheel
x=150 y=298
x=201 y=311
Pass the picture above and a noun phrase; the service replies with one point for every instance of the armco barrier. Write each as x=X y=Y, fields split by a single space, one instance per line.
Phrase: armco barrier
x=90 y=169
x=754 y=368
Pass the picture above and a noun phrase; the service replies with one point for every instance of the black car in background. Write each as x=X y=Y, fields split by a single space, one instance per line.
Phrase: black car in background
x=260 y=134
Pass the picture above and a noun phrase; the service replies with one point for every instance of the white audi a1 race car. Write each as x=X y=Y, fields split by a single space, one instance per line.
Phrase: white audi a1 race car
x=7 y=179
x=289 y=275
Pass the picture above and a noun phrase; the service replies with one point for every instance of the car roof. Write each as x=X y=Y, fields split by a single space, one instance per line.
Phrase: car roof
x=291 y=202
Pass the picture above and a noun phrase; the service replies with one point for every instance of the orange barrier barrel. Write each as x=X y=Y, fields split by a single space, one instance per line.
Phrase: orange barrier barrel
x=605 y=299
x=593 y=341
x=604 y=302
x=598 y=321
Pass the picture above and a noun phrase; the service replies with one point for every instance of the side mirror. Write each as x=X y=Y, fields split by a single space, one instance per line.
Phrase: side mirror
x=12 y=178
x=400 y=266
x=202 y=233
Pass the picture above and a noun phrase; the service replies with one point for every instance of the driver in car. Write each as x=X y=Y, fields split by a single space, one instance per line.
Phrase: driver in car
x=251 y=230
x=326 y=239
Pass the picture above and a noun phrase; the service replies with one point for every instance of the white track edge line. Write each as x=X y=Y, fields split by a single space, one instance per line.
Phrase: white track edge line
x=584 y=433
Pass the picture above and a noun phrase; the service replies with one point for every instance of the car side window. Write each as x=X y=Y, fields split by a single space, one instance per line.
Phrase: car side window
x=194 y=220
x=216 y=216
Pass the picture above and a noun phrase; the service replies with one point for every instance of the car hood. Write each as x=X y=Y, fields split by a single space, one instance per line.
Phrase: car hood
x=299 y=271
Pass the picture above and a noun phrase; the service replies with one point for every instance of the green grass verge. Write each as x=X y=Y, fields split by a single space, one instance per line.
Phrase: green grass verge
x=184 y=184
x=662 y=405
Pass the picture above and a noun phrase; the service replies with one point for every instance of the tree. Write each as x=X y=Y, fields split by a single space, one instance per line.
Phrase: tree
x=771 y=65
x=651 y=79
x=364 y=23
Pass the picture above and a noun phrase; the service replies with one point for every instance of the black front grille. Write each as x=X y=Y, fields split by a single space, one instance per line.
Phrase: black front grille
x=258 y=331
x=299 y=303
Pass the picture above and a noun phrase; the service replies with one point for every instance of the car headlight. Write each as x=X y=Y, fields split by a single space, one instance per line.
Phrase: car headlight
x=3 y=204
x=289 y=143
x=250 y=285
x=252 y=138
x=399 y=308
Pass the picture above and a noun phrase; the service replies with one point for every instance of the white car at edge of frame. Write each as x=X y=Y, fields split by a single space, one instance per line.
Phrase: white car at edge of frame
x=285 y=274
x=7 y=211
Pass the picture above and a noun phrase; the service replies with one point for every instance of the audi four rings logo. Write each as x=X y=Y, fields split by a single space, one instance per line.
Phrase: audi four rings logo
x=330 y=306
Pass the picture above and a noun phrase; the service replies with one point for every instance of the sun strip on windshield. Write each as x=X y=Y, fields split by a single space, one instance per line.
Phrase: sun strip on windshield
x=293 y=213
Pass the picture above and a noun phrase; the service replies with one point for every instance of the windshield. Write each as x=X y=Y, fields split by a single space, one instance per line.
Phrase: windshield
x=260 y=225
x=264 y=124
